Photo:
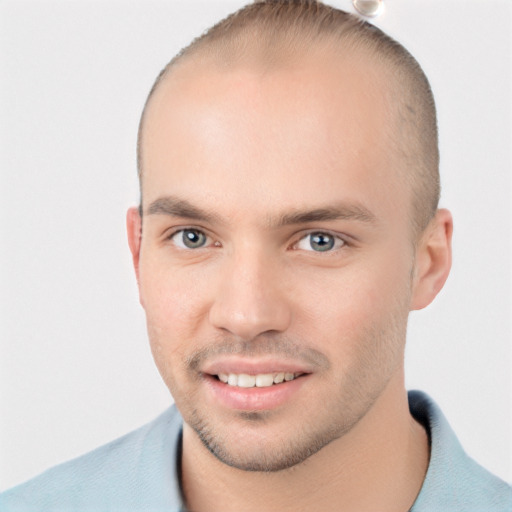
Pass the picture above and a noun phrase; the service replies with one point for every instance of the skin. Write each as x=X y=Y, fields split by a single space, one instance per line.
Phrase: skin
x=247 y=149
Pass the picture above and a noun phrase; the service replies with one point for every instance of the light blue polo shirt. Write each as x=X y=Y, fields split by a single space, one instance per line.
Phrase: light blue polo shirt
x=139 y=472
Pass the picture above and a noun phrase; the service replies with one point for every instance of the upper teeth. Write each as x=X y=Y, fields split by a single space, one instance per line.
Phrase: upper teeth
x=261 y=380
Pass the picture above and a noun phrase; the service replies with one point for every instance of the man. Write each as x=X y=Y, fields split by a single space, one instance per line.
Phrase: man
x=288 y=224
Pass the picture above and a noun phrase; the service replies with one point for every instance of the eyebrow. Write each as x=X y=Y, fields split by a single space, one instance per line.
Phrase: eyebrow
x=336 y=212
x=182 y=208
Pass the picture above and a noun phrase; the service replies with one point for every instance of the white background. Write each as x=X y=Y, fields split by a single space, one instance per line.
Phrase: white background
x=75 y=368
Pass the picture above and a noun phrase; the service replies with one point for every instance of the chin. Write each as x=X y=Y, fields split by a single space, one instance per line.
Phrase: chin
x=253 y=444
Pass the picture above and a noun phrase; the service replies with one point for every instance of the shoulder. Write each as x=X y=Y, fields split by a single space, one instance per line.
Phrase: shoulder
x=139 y=467
x=454 y=481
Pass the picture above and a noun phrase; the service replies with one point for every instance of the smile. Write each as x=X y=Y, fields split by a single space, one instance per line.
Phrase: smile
x=261 y=380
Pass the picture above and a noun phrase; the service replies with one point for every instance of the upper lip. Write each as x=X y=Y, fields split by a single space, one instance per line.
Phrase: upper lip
x=254 y=366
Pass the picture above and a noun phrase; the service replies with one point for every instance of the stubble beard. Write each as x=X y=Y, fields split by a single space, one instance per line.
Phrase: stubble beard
x=353 y=395
x=287 y=454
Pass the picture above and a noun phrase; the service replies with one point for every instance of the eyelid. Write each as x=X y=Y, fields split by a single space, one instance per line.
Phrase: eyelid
x=345 y=239
x=176 y=230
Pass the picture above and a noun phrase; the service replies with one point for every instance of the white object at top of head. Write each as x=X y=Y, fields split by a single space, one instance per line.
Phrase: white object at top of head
x=370 y=8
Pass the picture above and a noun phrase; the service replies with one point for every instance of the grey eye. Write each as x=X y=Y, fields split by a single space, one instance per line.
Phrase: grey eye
x=319 y=242
x=190 y=239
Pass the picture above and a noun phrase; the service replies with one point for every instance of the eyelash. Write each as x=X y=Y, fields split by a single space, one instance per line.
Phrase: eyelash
x=191 y=229
x=339 y=241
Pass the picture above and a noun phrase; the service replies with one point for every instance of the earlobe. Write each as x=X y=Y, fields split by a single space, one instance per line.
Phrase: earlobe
x=134 y=232
x=433 y=260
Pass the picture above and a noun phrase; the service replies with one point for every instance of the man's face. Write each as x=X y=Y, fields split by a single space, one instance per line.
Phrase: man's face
x=275 y=244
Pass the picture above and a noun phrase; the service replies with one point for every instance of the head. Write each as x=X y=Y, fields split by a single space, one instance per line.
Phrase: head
x=273 y=34
x=289 y=186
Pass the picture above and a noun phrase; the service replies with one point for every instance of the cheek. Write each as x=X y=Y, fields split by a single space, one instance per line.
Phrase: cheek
x=345 y=306
x=171 y=295
x=176 y=308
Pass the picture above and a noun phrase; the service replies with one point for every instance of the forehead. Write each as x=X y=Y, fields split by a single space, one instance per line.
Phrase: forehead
x=316 y=126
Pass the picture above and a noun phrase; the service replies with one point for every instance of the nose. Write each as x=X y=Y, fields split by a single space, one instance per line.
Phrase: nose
x=251 y=297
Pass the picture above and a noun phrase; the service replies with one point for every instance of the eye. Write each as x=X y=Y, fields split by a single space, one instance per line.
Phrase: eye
x=189 y=239
x=319 y=242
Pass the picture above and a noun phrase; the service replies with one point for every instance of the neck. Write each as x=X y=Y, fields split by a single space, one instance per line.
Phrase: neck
x=379 y=465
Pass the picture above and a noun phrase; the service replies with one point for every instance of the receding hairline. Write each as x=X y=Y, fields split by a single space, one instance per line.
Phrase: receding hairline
x=250 y=37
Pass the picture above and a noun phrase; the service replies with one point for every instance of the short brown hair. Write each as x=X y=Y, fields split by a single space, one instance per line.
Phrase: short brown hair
x=273 y=29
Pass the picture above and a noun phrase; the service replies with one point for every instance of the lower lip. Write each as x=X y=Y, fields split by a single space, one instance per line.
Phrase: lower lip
x=253 y=399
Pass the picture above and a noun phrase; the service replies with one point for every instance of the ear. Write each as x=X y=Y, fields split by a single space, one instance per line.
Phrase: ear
x=433 y=260
x=134 y=231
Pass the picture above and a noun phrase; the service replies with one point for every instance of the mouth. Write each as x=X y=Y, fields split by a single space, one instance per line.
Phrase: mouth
x=260 y=380
x=245 y=387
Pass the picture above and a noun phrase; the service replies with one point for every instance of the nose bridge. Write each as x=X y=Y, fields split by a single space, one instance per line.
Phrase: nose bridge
x=251 y=298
